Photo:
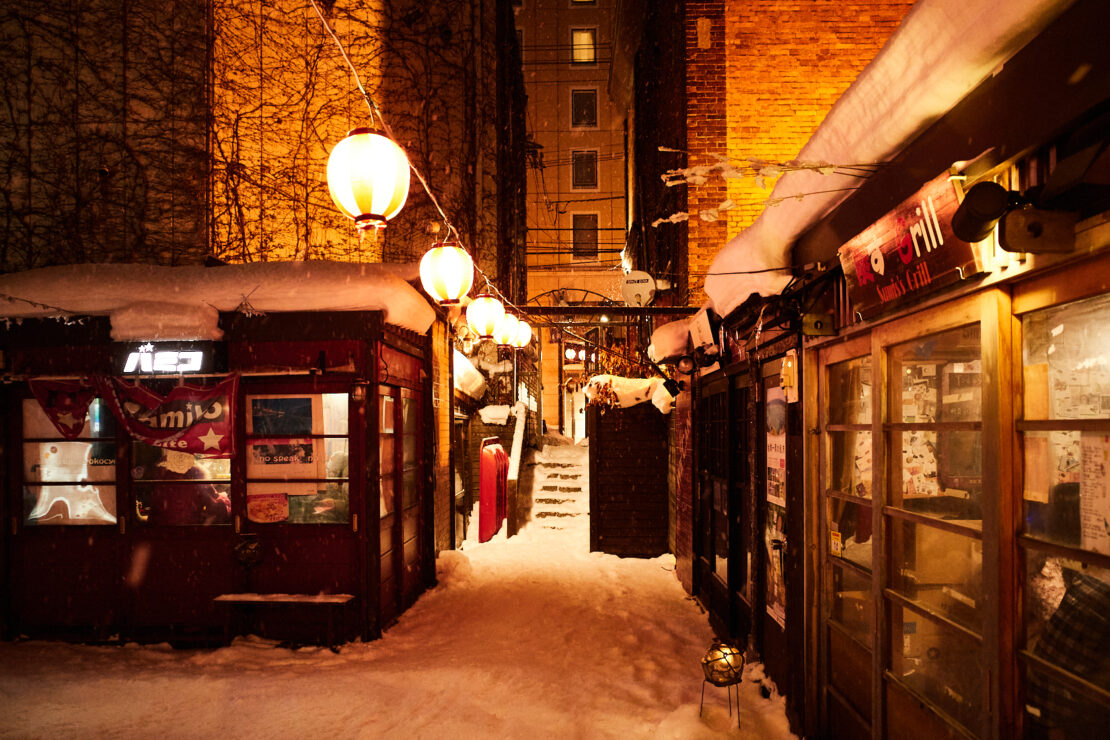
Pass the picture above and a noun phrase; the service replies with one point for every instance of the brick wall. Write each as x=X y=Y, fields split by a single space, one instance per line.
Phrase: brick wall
x=770 y=74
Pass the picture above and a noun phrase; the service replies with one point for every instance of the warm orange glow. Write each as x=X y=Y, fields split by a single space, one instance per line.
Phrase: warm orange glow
x=484 y=314
x=523 y=334
x=446 y=272
x=505 y=333
x=368 y=177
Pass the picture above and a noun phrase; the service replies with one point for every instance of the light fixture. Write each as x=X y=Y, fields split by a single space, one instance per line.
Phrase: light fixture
x=483 y=315
x=1024 y=226
x=446 y=272
x=723 y=665
x=505 y=333
x=982 y=206
x=582 y=355
x=569 y=353
x=523 y=334
x=686 y=364
x=368 y=178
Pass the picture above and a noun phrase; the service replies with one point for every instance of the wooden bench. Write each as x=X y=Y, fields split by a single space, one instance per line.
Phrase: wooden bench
x=331 y=603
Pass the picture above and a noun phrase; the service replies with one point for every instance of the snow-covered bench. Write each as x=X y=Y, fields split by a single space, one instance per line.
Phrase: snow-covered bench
x=331 y=603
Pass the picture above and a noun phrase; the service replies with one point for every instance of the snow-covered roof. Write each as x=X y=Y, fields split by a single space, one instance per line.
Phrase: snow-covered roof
x=154 y=302
x=940 y=53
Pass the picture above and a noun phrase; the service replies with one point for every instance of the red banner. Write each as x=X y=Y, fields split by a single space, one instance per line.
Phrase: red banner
x=189 y=418
x=65 y=403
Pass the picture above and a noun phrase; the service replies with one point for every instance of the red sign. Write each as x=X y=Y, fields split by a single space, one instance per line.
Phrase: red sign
x=65 y=403
x=909 y=251
x=189 y=418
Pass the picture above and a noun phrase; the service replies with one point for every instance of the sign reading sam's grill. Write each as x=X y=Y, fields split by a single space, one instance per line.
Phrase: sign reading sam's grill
x=908 y=252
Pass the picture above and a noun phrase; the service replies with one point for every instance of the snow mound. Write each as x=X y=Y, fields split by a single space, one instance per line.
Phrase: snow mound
x=453 y=568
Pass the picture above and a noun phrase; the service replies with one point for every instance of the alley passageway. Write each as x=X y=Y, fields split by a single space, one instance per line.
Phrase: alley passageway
x=532 y=636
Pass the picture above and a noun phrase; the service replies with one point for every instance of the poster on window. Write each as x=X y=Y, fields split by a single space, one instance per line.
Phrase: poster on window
x=283 y=459
x=774 y=540
x=1094 y=506
x=776 y=446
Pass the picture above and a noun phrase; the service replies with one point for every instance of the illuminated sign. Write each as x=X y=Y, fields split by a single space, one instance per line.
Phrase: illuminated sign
x=909 y=251
x=169 y=358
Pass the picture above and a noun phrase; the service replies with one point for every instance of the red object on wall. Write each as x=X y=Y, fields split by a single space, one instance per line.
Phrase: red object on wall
x=493 y=486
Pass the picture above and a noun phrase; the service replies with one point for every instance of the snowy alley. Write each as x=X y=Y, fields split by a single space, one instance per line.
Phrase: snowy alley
x=528 y=637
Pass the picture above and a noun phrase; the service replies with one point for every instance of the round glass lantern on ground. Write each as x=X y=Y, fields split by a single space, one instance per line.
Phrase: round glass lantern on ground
x=368 y=177
x=484 y=314
x=446 y=272
x=722 y=664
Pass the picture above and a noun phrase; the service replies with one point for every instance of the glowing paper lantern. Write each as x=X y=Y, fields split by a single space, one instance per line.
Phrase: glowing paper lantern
x=446 y=272
x=505 y=333
x=523 y=334
x=368 y=177
x=484 y=314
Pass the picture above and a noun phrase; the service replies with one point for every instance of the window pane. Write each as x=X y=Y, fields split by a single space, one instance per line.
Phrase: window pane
x=938 y=378
x=388 y=498
x=1067 y=608
x=99 y=422
x=386 y=446
x=850 y=392
x=151 y=463
x=1066 y=357
x=69 y=462
x=408 y=452
x=409 y=419
x=850 y=531
x=720 y=530
x=385 y=414
x=851 y=603
x=941 y=474
x=940 y=569
x=1054 y=482
x=335 y=413
x=939 y=663
x=298 y=502
x=850 y=459
x=583 y=107
x=582 y=43
x=583 y=169
x=69 y=504
x=183 y=503
x=584 y=226
x=409 y=491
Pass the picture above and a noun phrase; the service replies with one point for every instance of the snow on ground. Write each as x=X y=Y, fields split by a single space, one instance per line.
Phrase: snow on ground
x=526 y=637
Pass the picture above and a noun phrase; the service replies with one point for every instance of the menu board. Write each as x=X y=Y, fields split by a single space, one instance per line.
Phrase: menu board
x=1094 y=500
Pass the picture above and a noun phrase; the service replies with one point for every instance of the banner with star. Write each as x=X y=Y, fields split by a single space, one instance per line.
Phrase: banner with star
x=194 y=419
x=65 y=403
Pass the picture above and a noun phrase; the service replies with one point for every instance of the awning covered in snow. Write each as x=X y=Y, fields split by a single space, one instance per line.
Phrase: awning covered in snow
x=154 y=302
x=942 y=50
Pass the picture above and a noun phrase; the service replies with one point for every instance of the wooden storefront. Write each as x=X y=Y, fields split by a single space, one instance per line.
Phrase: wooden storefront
x=322 y=488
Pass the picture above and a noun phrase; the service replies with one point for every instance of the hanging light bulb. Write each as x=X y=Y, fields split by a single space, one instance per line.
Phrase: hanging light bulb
x=483 y=314
x=368 y=177
x=446 y=272
x=523 y=334
x=569 y=353
x=505 y=333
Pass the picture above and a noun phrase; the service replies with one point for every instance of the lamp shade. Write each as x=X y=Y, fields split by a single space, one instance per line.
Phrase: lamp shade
x=505 y=333
x=523 y=334
x=483 y=315
x=446 y=272
x=723 y=664
x=368 y=177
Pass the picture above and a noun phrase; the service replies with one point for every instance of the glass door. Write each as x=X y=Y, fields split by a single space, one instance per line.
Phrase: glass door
x=1064 y=640
x=846 y=510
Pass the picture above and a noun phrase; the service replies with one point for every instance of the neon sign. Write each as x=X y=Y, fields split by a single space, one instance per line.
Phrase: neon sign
x=174 y=358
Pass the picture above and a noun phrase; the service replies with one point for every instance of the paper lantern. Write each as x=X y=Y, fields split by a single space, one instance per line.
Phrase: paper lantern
x=484 y=314
x=446 y=272
x=505 y=333
x=523 y=334
x=368 y=177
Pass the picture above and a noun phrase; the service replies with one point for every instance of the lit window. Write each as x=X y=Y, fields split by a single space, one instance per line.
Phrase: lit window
x=583 y=169
x=297 y=448
x=69 y=481
x=583 y=107
x=583 y=43
x=584 y=226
